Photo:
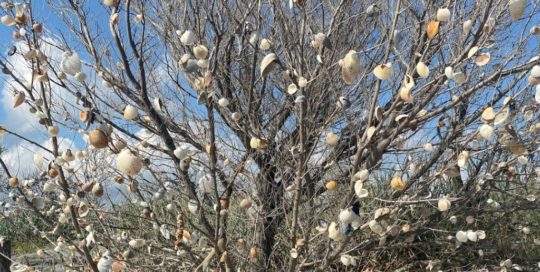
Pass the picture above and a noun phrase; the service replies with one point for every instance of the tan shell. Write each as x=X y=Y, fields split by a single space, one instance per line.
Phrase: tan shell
x=463 y=158
x=397 y=184
x=109 y=3
x=13 y=182
x=443 y=14
x=350 y=67
x=444 y=204
x=200 y=52
x=245 y=203
x=473 y=52
x=482 y=59
x=332 y=139
x=98 y=138
x=331 y=185
x=517 y=8
x=18 y=99
x=501 y=117
x=467 y=26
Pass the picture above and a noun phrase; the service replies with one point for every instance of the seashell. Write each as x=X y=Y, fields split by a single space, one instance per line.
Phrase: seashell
x=257 y=143
x=188 y=38
x=268 y=63
x=158 y=104
x=370 y=132
x=449 y=72
x=488 y=114
x=71 y=63
x=350 y=67
x=137 y=243
x=460 y=78
x=292 y=89
x=129 y=162
x=200 y=52
x=461 y=236
x=443 y=204
x=98 y=138
x=361 y=175
x=223 y=102
x=472 y=236
x=206 y=185
x=302 y=82
x=245 y=203
x=501 y=117
x=80 y=76
x=404 y=92
x=253 y=38
x=422 y=69
x=443 y=14
x=253 y=252
x=114 y=19
x=8 y=20
x=383 y=71
x=334 y=232
x=13 y=182
x=359 y=190
x=331 y=185
x=463 y=158
x=18 y=99
x=332 y=139
x=517 y=8
x=428 y=147
x=533 y=80
x=535 y=71
x=397 y=183
x=347 y=216
x=236 y=116
x=472 y=52
x=109 y=3
x=432 y=29
x=482 y=59
x=53 y=131
x=265 y=44
x=535 y=30
x=467 y=26
x=486 y=132
x=375 y=227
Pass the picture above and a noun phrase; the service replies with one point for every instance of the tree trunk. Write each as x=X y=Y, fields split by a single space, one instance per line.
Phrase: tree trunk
x=5 y=255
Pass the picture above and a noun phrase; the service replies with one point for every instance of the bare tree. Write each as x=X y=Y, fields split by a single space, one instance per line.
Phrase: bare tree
x=265 y=135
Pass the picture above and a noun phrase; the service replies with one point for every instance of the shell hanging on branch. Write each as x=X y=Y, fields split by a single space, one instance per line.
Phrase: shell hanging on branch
x=432 y=29
x=268 y=64
x=383 y=71
x=350 y=67
x=98 y=138
x=129 y=163
x=517 y=8
x=443 y=14
x=18 y=99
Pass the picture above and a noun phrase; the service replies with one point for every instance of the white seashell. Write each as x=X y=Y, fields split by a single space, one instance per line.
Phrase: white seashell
x=181 y=153
x=428 y=147
x=236 y=116
x=137 y=243
x=334 y=232
x=467 y=26
x=449 y=72
x=422 y=69
x=80 y=76
x=206 y=185
x=535 y=30
x=292 y=89
x=360 y=192
x=39 y=161
x=443 y=14
x=345 y=260
x=130 y=112
x=462 y=236
x=302 y=82
x=188 y=38
x=361 y=175
x=535 y=71
x=265 y=44
x=473 y=51
x=200 y=52
x=223 y=102
x=8 y=20
x=482 y=59
x=453 y=219
x=471 y=236
x=383 y=71
x=347 y=216
x=501 y=117
x=463 y=158
x=71 y=63
x=332 y=139
x=486 y=132
x=481 y=234
x=350 y=67
x=522 y=160
x=517 y=8
x=268 y=63
x=129 y=163
x=444 y=204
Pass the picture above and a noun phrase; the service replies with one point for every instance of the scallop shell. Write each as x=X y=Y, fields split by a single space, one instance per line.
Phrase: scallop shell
x=488 y=114
x=265 y=44
x=130 y=112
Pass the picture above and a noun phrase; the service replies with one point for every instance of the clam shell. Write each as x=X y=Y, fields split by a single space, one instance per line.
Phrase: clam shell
x=200 y=52
x=444 y=204
x=129 y=163
x=501 y=117
x=350 y=67
x=463 y=158
x=482 y=59
x=467 y=26
x=488 y=114
x=188 y=38
x=383 y=71
x=486 y=132
x=517 y=8
x=130 y=112
x=535 y=71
